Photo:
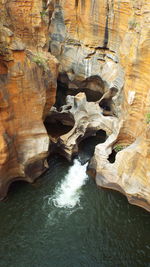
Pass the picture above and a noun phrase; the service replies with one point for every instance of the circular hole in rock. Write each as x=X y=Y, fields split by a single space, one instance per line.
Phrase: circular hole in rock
x=57 y=129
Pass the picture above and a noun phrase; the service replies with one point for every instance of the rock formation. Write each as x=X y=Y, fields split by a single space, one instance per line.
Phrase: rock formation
x=100 y=45
x=129 y=174
x=110 y=39
x=86 y=119
x=27 y=90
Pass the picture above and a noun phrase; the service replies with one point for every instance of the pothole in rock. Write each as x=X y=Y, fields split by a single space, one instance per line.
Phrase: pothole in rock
x=91 y=96
x=105 y=105
x=106 y=102
x=57 y=128
x=92 y=86
x=86 y=146
x=112 y=156
x=62 y=91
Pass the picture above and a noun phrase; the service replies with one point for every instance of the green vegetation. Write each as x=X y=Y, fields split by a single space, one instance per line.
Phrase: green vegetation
x=40 y=60
x=44 y=13
x=118 y=148
x=148 y=118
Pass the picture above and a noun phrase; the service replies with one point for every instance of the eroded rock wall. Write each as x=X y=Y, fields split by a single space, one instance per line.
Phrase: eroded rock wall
x=28 y=75
x=110 y=38
x=94 y=40
x=83 y=40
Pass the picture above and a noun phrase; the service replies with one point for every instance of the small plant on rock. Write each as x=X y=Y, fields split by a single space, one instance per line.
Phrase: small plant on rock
x=118 y=148
x=44 y=13
x=148 y=118
x=40 y=60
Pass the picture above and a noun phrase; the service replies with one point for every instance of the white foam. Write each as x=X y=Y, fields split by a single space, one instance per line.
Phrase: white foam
x=69 y=191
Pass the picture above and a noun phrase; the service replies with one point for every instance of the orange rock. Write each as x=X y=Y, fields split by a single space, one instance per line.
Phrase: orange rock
x=100 y=38
x=27 y=91
x=109 y=39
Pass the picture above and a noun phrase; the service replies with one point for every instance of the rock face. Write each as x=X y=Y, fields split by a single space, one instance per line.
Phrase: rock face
x=81 y=40
x=86 y=119
x=27 y=90
x=101 y=46
x=110 y=39
x=130 y=172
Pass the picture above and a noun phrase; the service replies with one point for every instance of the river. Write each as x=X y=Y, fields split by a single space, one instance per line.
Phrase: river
x=64 y=220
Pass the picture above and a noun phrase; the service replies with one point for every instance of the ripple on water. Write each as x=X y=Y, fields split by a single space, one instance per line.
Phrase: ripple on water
x=102 y=230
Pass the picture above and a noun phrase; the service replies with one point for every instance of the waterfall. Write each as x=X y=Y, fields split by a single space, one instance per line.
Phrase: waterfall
x=68 y=193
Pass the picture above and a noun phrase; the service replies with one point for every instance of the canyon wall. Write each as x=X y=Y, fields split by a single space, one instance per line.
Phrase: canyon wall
x=110 y=39
x=28 y=75
x=100 y=45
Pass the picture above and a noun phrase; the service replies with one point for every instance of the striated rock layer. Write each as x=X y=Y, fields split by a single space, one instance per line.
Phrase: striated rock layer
x=27 y=90
x=102 y=46
x=130 y=172
x=110 y=39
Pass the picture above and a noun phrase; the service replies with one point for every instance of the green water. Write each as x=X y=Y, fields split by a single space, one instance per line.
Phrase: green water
x=101 y=230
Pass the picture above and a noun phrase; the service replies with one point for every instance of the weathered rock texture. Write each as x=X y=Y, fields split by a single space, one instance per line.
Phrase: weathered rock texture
x=100 y=44
x=130 y=172
x=27 y=90
x=110 y=39
x=86 y=118
x=81 y=40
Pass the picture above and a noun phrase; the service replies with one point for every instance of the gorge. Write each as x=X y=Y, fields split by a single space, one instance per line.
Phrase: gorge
x=93 y=47
x=75 y=74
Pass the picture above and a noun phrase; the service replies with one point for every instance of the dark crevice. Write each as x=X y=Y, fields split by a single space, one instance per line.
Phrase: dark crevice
x=91 y=96
x=92 y=86
x=17 y=185
x=106 y=102
x=86 y=146
x=62 y=91
x=58 y=124
x=76 y=3
x=56 y=129
x=101 y=48
x=106 y=29
x=112 y=156
x=105 y=105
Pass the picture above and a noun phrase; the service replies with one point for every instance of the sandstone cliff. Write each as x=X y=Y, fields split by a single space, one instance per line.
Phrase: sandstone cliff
x=110 y=39
x=28 y=75
x=100 y=45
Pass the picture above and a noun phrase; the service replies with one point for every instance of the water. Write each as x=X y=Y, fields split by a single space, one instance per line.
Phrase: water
x=64 y=220
x=68 y=193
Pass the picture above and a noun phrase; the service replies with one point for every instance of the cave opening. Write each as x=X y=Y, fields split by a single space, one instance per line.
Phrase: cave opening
x=107 y=103
x=61 y=93
x=57 y=128
x=106 y=106
x=17 y=186
x=60 y=121
x=86 y=146
x=93 y=87
x=112 y=156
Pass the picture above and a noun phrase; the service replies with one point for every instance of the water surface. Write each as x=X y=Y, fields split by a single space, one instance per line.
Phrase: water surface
x=99 y=229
